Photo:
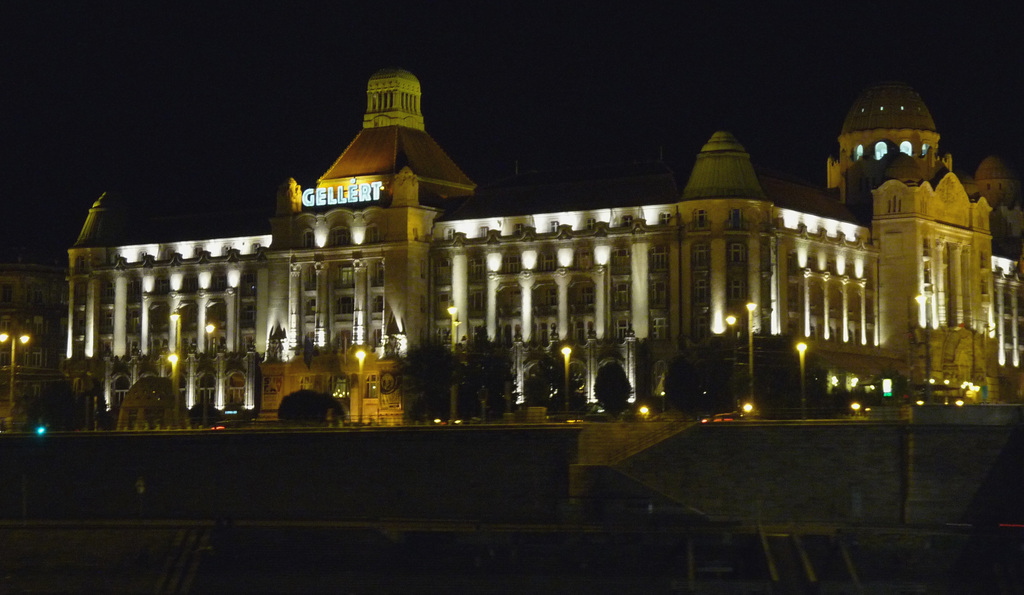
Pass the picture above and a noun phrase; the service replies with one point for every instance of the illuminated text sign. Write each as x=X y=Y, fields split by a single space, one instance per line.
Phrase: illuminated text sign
x=342 y=195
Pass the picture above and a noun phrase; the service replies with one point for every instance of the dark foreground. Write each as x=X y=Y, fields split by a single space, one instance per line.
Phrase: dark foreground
x=452 y=557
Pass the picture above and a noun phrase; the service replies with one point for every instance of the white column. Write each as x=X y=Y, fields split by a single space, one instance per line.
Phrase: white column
x=863 y=312
x=939 y=273
x=1015 y=332
x=807 y=302
x=460 y=293
x=526 y=281
x=824 y=306
x=359 y=315
x=294 y=296
x=754 y=274
x=120 y=315
x=958 y=287
x=144 y=331
x=320 y=316
x=562 y=281
x=221 y=379
x=71 y=319
x=202 y=301
x=231 y=312
x=1000 y=311
x=600 y=300
x=492 y=306
x=718 y=297
x=640 y=311
x=846 y=309
x=91 y=302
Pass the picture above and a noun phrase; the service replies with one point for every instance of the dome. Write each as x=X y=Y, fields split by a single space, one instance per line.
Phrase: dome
x=967 y=181
x=994 y=168
x=903 y=168
x=891 y=106
x=722 y=170
x=393 y=99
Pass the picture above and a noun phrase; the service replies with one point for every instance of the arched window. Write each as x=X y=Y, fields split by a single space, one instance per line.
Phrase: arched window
x=308 y=240
x=906 y=149
x=880 y=150
x=924 y=150
x=858 y=152
x=236 y=388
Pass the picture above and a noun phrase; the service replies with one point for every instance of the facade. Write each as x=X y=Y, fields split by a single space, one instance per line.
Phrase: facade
x=893 y=266
x=33 y=303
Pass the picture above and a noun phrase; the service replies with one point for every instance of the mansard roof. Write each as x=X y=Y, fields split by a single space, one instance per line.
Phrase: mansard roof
x=788 y=192
x=581 y=189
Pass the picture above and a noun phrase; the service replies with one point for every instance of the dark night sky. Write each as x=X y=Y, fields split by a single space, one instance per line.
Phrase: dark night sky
x=184 y=106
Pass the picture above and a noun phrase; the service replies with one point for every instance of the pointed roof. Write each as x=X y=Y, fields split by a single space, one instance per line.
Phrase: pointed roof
x=386 y=150
x=722 y=170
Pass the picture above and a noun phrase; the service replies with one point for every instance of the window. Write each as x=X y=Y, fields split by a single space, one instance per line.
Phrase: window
x=518 y=229
x=906 y=149
x=587 y=295
x=737 y=252
x=190 y=284
x=590 y=224
x=620 y=258
x=621 y=328
x=700 y=255
x=553 y=226
x=626 y=220
x=700 y=219
x=346 y=304
x=340 y=236
x=249 y=285
x=700 y=291
x=737 y=290
x=163 y=285
x=735 y=219
x=658 y=294
x=476 y=301
x=547 y=261
x=664 y=218
x=378 y=303
x=346 y=276
x=308 y=239
x=372 y=235
x=880 y=150
x=476 y=269
x=584 y=259
x=449 y=234
x=248 y=315
x=858 y=152
x=7 y=293
x=511 y=263
x=620 y=296
x=924 y=150
x=484 y=230
x=108 y=292
x=443 y=271
x=659 y=258
x=659 y=328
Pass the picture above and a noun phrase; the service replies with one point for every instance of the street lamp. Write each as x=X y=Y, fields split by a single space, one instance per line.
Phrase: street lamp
x=566 y=352
x=357 y=402
x=922 y=300
x=802 y=348
x=751 y=306
x=209 y=337
x=14 y=362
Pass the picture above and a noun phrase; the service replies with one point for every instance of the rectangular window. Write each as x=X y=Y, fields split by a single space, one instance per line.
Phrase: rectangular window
x=620 y=296
x=626 y=220
x=664 y=218
x=737 y=252
x=547 y=261
x=378 y=303
x=659 y=294
x=591 y=224
x=476 y=269
x=346 y=276
x=476 y=301
x=518 y=229
x=7 y=293
x=659 y=258
x=659 y=328
x=553 y=226
x=249 y=285
x=483 y=231
x=621 y=328
x=735 y=219
x=346 y=305
x=700 y=291
x=700 y=219
x=700 y=256
x=511 y=263
x=584 y=259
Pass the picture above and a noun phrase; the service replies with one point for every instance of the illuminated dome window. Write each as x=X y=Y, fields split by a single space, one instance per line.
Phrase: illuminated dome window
x=924 y=150
x=858 y=152
x=906 y=149
x=880 y=150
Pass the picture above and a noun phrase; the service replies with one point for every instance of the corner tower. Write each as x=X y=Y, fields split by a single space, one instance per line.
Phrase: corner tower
x=393 y=98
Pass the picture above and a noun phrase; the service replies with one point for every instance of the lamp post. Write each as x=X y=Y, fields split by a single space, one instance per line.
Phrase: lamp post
x=922 y=300
x=566 y=352
x=453 y=312
x=358 y=401
x=751 y=306
x=173 y=358
x=730 y=320
x=14 y=362
x=802 y=348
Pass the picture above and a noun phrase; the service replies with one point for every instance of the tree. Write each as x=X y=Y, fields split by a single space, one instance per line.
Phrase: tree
x=55 y=407
x=486 y=370
x=427 y=375
x=307 y=405
x=611 y=388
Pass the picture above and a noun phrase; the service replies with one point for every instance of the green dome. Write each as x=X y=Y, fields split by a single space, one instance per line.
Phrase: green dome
x=723 y=170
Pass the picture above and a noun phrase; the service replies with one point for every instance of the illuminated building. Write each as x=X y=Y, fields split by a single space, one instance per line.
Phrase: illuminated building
x=33 y=302
x=394 y=245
